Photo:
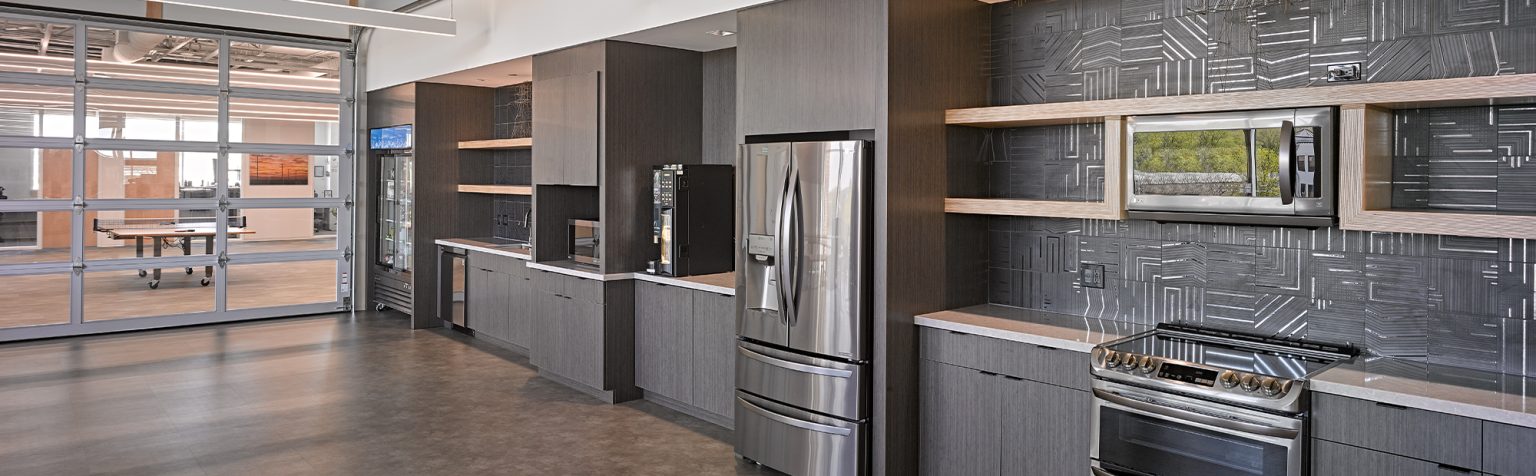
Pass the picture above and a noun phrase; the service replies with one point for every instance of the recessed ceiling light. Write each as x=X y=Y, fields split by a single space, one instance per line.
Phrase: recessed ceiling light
x=721 y=32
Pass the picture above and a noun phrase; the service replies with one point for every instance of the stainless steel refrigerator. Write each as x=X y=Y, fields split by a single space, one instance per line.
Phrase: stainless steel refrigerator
x=803 y=355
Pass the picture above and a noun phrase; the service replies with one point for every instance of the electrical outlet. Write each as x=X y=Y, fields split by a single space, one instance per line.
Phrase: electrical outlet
x=1344 y=72
x=1091 y=275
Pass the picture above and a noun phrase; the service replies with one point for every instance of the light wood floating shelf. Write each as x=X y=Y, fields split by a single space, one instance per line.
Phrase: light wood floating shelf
x=492 y=144
x=1365 y=185
x=1479 y=91
x=497 y=189
x=1112 y=208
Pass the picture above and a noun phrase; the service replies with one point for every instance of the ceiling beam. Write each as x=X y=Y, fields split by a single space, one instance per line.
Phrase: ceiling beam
x=331 y=13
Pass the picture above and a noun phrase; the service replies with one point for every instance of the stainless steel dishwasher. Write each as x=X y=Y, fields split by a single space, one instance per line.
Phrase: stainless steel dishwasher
x=451 y=279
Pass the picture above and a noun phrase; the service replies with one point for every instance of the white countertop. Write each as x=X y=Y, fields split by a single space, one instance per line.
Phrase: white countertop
x=571 y=268
x=1490 y=396
x=1050 y=329
x=1470 y=393
x=487 y=247
x=722 y=283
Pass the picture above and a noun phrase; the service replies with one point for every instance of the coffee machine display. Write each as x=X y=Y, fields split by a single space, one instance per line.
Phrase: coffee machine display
x=693 y=219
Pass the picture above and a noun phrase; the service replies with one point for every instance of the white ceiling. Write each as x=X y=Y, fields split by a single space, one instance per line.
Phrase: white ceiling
x=493 y=75
x=689 y=34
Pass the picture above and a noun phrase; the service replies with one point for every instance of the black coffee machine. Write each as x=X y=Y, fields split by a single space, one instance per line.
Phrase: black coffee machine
x=694 y=218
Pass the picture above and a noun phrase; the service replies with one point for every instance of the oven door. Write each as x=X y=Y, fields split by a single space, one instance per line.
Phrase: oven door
x=1140 y=432
x=1274 y=162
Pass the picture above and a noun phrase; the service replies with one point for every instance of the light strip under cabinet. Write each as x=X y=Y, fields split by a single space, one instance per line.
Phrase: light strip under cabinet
x=331 y=13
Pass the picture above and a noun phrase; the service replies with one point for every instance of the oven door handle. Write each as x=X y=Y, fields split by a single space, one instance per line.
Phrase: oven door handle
x=1179 y=415
x=1287 y=163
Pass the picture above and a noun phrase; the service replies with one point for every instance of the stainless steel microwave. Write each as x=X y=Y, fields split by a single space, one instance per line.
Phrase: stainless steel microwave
x=586 y=246
x=1275 y=167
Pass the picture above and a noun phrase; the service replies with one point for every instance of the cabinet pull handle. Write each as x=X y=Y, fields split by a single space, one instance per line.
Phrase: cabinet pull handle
x=1455 y=468
x=1010 y=377
x=1389 y=405
x=990 y=374
x=958 y=333
x=1046 y=347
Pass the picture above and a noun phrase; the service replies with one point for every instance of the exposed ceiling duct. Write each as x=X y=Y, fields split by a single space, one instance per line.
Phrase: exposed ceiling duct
x=132 y=46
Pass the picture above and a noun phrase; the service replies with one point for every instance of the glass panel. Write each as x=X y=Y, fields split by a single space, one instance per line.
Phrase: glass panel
x=281 y=284
x=270 y=230
x=1200 y=163
x=34 y=237
x=144 y=56
x=36 y=111
x=1165 y=448
x=149 y=175
x=35 y=47
x=270 y=121
x=123 y=294
x=121 y=234
x=396 y=205
x=36 y=173
x=152 y=116
x=287 y=68
x=35 y=300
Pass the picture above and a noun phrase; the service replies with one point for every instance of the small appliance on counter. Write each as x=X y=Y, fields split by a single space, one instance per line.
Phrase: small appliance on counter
x=586 y=245
x=1185 y=401
x=694 y=211
x=1271 y=167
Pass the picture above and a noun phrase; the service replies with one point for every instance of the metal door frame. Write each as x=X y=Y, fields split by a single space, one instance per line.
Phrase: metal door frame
x=79 y=144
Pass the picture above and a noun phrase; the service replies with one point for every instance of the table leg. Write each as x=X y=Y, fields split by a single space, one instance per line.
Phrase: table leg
x=138 y=252
x=186 y=250
x=155 y=283
x=208 y=248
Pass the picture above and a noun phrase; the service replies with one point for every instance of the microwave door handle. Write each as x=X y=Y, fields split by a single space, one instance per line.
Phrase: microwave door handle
x=1287 y=168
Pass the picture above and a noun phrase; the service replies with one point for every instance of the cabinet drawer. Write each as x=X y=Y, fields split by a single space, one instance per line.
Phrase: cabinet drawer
x=590 y=290
x=1046 y=364
x=496 y=263
x=548 y=282
x=1410 y=432
x=1507 y=449
x=960 y=349
x=1335 y=459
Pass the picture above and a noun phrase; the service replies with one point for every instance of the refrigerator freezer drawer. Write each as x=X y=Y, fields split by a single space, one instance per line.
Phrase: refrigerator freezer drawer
x=826 y=386
x=795 y=441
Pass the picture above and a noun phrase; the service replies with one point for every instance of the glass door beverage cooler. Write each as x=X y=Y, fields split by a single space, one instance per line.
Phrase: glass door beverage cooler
x=396 y=217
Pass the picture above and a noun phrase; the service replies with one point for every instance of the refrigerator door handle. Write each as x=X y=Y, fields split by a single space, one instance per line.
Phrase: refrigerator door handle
x=797 y=250
x=794 y=422
x=782 y=263
x=795 y=366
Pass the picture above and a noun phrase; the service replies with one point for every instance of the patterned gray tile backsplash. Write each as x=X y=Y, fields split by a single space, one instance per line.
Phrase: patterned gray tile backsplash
x=1452 y=300
x=513 y=119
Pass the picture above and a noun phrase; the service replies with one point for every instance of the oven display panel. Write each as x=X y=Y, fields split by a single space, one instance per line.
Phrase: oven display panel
x=1197 y=376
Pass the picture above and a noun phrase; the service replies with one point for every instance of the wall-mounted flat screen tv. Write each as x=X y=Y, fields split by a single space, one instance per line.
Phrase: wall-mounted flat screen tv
x=393 y=137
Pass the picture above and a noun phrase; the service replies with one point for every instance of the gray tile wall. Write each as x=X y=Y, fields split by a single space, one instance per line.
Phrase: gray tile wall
x=514 y=118
x=1466 y=302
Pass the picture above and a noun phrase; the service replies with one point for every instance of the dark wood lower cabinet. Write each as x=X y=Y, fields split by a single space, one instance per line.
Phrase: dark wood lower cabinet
x=959 y=421
x=685 y=347
x=1338 y=459
x=714 y=352
x=1045 y=428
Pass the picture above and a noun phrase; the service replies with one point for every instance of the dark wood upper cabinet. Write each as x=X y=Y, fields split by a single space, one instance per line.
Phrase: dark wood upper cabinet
x=568 y=123
x=809 y=66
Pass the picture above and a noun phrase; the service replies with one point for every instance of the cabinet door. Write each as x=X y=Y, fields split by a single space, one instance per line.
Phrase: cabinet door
x=566 y=120
x=478 y=298
x=663 y=341
x=1507 y=449
x=1046 y=428
x=519 y=310
x=958 y=423
x=714 y=353
x=582 y=352
x=1336 y=459
x=808 y=65
x=1422 y=434
x=544 y=340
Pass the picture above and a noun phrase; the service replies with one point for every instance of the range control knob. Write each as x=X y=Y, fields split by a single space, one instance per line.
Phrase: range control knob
x=1130 y=363
x=1111 y=359
x=1250 y=383
x=1147 y=364
x=1272 y=387
x=1230 y=379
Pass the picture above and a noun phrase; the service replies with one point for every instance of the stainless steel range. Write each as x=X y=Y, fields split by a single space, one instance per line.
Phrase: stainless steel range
x=1182 y=400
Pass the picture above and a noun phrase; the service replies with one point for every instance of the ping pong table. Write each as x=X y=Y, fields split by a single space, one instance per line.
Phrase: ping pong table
x=167 y=232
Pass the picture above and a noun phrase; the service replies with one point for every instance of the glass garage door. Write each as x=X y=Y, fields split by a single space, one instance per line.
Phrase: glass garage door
x=154 y=177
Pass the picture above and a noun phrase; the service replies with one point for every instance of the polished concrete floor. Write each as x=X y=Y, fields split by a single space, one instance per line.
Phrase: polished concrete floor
x=332 y=394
